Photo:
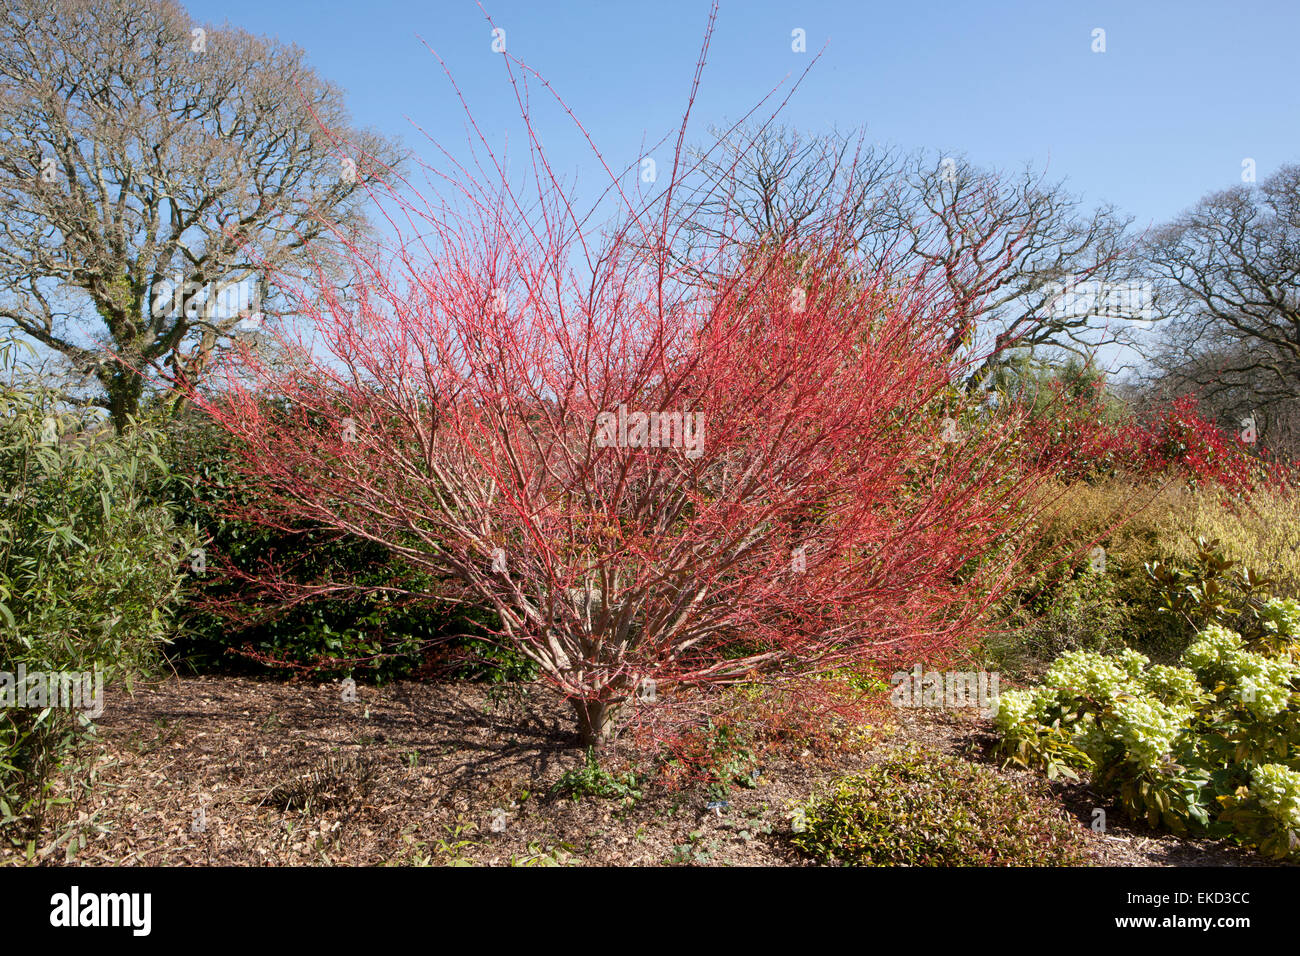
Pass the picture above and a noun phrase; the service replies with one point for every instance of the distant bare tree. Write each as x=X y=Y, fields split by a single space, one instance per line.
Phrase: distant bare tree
x=1227 y=272
x=1041 y=273
x=1013 y=246
x=153 y=172
x=773 y=183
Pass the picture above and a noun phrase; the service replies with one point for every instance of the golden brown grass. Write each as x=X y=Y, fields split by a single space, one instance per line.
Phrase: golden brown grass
x=1137 y=523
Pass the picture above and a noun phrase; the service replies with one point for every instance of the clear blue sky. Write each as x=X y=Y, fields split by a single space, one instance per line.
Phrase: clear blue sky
x=1184 y=91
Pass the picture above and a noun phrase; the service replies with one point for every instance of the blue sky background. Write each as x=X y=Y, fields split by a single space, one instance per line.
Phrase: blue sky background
x=1182 y=94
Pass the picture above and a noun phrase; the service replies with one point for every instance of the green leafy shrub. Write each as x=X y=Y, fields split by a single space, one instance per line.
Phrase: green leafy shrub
x=924 y=808
x=1214 y=589
x=1266 y=813
x=1079 y=610
x=1211 y=745
x=365 y=625
x=1156 y=588
x=90 y=570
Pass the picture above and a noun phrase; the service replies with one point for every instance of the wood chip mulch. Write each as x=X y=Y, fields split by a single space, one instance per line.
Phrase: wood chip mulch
x=233 y=771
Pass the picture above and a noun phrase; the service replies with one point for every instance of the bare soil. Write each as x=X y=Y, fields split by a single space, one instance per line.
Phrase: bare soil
x=231 y=771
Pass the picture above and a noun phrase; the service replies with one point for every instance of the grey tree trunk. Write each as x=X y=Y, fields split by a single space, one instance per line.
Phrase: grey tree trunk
x=595 y=723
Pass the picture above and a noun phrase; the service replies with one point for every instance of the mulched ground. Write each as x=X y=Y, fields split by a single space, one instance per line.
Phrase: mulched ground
x=233 y=771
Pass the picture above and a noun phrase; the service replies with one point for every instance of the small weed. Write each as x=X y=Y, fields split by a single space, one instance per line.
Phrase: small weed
x=593 y=780
x=693 y=851
x=559 y=855
x=446 y=851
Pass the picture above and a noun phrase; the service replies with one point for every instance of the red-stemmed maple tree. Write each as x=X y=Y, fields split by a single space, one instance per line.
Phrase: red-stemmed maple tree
x=647 y=479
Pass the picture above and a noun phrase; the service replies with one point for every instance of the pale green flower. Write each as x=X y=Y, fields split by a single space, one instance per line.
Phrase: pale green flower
x=1132 y=662
x=1282 y=616
x=1262 y=684
x=1015 y=711
x=1147 y=728
x=1173 y=685
x=1278 y=789
x=1088 y=674
x=1211 y=646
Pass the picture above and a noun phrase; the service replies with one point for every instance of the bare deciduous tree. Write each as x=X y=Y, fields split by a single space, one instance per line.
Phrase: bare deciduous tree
x=770 y=183
x=1041 y=273
x=153 y=173
x=1010 y=245
x=1227 y=273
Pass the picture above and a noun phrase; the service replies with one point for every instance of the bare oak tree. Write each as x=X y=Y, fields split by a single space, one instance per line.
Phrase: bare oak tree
x=1041 y=273
x=772 y=184
x=1013 y=246
x=154 y=173
x=1227 y=272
